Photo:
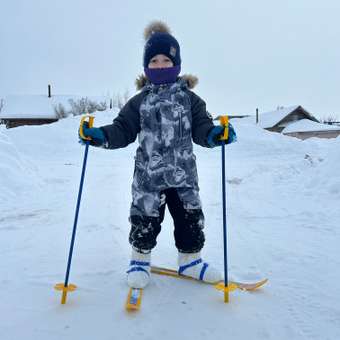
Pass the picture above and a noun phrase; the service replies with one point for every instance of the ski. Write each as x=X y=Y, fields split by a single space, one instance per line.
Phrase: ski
x=134 y=299
x=220 y=285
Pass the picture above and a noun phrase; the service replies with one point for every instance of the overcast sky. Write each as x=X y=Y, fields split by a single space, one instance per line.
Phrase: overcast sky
x=246 y=54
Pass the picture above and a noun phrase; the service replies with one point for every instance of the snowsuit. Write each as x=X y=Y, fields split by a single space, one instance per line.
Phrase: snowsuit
x=166 y=119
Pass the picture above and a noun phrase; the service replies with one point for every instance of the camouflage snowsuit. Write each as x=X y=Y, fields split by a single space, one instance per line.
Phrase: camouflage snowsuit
x=166 y=119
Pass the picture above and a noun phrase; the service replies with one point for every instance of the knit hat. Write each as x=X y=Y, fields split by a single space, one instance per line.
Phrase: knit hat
x=160 y=41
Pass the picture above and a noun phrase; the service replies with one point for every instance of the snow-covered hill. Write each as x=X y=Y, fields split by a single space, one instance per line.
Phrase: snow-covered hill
x=283 y=223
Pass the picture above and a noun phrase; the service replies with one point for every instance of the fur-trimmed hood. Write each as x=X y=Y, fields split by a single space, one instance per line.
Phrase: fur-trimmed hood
x=191 y=81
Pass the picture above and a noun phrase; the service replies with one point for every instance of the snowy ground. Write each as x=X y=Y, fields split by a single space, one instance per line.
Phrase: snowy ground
x=283 y=220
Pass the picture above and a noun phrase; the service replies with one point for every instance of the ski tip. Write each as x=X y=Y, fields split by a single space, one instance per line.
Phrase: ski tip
x=241 y=285
x=251 y=286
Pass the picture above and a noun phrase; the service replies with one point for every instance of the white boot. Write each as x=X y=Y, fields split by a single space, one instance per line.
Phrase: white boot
x=191 y=264
x=139 y=269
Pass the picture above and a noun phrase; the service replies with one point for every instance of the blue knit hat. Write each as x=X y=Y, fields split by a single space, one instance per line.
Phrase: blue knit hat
x=160 y=41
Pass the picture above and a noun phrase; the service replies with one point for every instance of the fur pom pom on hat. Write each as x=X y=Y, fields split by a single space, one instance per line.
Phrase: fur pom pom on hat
x=155 y=26
x=160 y=41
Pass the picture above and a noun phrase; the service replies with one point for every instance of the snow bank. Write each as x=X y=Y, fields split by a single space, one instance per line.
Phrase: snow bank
x=16 y=174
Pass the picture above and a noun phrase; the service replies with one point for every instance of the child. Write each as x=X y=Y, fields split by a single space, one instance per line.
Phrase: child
x=166 y=115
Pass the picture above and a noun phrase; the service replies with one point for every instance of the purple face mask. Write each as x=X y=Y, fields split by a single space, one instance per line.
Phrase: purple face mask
x=160 y=76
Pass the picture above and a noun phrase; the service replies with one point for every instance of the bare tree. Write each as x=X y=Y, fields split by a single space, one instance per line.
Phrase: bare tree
x=60 y=111
x=126 y=96
x=119 y=100
x=79 y=107
x=85 y=105
x=101 y=106
x=330 y=119
x=1 y=106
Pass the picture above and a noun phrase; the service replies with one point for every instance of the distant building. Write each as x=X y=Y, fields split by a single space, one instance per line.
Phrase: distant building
x=20 y=110
x=280 y=118
x=306 y=128
x=297 y=122
x=27 y=110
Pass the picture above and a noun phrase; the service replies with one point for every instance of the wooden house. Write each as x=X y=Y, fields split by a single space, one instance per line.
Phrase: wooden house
x=306 y=128
x=27 y=110
x=280 y=118
x=20 y=110
x=296 y=121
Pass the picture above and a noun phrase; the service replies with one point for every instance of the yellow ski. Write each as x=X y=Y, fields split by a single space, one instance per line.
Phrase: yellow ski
x=219 y=285
x=134 y=299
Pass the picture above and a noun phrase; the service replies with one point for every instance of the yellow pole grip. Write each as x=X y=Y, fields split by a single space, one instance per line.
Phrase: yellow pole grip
x=224 y=121
x=90 y=120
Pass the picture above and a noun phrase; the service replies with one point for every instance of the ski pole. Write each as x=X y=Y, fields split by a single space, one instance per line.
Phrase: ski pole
x=66 y=287
x=224 y=122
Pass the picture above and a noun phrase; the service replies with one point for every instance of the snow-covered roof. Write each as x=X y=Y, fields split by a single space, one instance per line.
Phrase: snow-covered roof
x=305 y=125
x=38 y=106
x=271 y=118
x=28 y=106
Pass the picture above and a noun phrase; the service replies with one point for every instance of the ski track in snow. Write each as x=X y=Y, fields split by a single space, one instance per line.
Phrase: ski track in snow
x=282 y=224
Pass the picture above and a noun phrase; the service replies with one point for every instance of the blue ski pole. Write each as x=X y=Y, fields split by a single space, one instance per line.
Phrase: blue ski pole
x=66 y=287
x=224 y=122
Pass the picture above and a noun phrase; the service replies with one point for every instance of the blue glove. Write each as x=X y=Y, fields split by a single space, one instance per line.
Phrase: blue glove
x=217 y=132
x=96 y=134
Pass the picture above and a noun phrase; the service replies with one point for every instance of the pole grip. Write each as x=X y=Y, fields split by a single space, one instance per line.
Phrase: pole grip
x=224 y=121
x=87 y=118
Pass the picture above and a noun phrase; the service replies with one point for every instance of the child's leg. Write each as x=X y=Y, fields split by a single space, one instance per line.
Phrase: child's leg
x=189 y=224
x=143 y=234
x=189 y=238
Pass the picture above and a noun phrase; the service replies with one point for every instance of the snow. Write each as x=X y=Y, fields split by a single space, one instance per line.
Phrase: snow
x=308 y=125
x=283 y=223
x=16 y=174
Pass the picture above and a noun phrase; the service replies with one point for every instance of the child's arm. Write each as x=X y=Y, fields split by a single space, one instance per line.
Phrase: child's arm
x=202 y=122
x=126 y=126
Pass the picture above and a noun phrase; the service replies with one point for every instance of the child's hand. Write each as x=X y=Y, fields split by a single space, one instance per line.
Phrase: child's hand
x=215 y=134
x=96 y=134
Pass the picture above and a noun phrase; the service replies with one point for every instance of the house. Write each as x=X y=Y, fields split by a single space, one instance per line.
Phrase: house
x=279 y=119
x=27 y=110
x=306 y=128
x=20 y=110
x=296 y=121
